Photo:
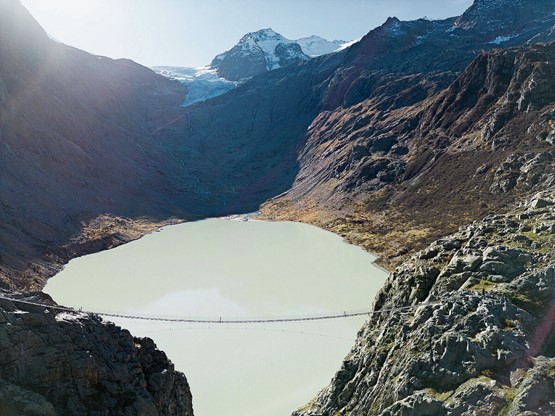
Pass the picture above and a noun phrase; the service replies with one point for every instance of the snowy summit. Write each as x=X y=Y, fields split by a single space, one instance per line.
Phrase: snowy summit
x=266 y=50
x=255 y=53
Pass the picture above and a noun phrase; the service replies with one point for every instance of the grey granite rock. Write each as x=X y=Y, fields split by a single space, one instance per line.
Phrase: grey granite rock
x=479 y=338
x=60 y=363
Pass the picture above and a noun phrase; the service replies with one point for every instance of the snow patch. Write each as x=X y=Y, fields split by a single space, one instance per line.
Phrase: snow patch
x=348 y=44
x=502 y=39
x=420 y=39
x=70 y=317
x=314 y=46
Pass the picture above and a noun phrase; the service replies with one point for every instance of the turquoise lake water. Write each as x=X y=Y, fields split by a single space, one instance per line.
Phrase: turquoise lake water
x=227 y=269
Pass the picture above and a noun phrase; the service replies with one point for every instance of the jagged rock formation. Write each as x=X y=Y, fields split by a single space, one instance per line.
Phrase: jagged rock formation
x=62 y=363
x=466 y=149
x=486 y=347
x=504 y=18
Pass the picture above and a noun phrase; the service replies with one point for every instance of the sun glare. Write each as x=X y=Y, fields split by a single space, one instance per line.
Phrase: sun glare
x=74 y=7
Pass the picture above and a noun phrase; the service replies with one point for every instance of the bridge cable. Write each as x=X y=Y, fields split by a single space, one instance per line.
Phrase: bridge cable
x=343 y=315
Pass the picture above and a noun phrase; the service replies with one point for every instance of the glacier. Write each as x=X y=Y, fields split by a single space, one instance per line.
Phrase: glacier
x=202 y=83
x=205 y=82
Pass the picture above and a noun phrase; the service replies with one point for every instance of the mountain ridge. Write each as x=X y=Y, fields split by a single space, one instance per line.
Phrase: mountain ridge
x=266 y=50
x=472 y=338
x=256 y=53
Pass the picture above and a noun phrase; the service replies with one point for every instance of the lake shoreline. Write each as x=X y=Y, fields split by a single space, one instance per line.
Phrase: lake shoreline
x=309 y=272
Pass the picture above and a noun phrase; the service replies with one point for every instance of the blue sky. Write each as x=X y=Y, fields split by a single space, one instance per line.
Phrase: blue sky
x=192 y=32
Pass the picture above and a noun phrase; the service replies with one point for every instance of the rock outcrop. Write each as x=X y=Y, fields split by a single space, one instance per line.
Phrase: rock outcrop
x=56 y=362
x=463 y=327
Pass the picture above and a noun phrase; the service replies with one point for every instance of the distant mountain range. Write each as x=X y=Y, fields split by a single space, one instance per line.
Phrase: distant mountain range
x=255 y=53
x=266 y=50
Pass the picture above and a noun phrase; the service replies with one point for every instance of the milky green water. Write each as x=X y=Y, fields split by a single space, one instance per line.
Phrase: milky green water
x=233 y=269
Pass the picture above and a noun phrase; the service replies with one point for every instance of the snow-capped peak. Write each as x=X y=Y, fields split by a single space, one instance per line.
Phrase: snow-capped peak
x=263 y=35
x=265 y=50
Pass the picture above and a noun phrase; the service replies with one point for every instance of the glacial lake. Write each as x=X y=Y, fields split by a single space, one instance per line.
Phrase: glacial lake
x=230 y=269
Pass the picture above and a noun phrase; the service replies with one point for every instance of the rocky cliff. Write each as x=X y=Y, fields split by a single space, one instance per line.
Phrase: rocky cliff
x=464 y=327
x=67 y=363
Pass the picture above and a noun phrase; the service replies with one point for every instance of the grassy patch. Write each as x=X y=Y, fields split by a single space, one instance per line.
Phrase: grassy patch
x=509 y=394
x=487 y=373
x=509 y=324
x=533 y=307
x=483 y=285
x=441 y=396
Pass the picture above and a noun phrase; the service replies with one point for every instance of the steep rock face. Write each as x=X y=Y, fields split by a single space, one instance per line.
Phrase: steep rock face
x=61 y=363
x=463 y=327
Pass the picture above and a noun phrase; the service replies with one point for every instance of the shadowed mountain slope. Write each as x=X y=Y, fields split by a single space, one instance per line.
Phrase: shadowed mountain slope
x=75 y=140
x=410 y=172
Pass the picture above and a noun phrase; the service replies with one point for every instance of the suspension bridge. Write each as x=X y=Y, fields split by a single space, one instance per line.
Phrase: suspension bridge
x=220 y=320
